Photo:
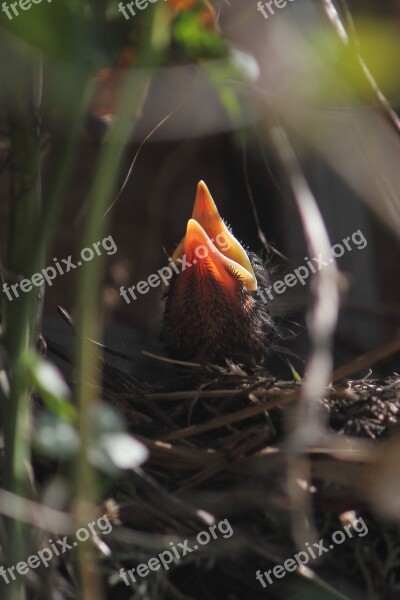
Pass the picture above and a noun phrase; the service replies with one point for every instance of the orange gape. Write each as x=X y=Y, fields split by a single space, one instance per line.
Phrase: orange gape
x=225 y=254
x=213 y=310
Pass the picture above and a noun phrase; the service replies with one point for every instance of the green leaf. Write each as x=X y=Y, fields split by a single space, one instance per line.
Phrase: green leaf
x=295 y=374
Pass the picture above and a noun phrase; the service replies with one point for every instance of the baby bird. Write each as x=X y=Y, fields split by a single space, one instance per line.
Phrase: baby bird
x=212 y=311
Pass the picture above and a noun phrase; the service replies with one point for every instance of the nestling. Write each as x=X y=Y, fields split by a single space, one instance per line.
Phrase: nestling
x=212 y=310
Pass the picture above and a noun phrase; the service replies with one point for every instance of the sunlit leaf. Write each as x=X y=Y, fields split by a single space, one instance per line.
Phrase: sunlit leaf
x=51 y=387
x=295 y=374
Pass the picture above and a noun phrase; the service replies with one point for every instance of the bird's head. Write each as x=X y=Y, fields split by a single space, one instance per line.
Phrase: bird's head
x=212 y=311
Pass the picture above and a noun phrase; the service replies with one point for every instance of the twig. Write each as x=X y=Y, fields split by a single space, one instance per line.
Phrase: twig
x=240 y=415
x=367 y=360
x=267 y=246
x=172 y=361
x=192 y=394
x=143 y=142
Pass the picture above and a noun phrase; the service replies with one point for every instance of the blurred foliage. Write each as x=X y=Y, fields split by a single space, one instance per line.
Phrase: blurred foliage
x=378 y=42
x=191 y=36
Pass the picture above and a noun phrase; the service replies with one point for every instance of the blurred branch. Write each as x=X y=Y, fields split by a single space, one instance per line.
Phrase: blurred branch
x=322 y=317
x=321 y=322
x=35 y=514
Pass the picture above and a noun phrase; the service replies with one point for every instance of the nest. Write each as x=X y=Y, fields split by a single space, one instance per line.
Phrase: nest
x=218 y=452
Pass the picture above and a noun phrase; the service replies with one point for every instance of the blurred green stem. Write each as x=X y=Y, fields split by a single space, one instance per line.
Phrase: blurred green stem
x=20 y=316
x=88 y=306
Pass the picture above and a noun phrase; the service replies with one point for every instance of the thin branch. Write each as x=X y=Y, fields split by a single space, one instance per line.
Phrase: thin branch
x=235 y=417
x=261 y=236
x=143 y=142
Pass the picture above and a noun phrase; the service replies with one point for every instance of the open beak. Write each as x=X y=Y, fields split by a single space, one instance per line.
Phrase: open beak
x=209 y=243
